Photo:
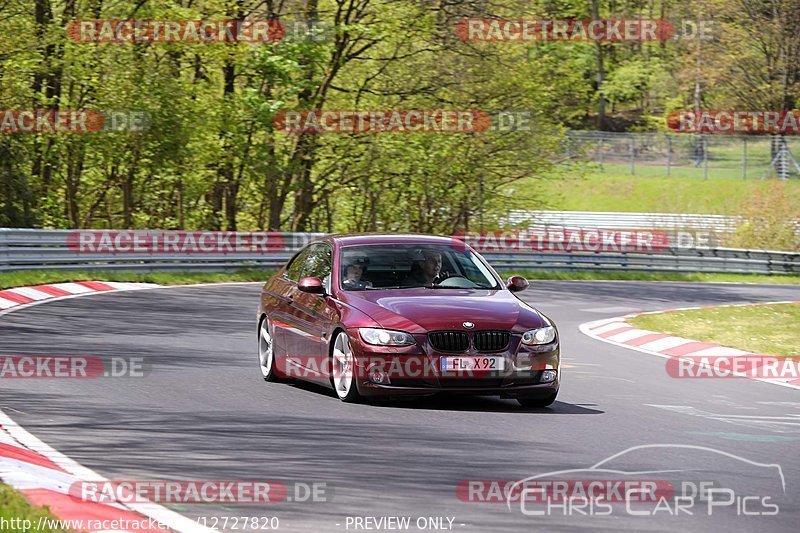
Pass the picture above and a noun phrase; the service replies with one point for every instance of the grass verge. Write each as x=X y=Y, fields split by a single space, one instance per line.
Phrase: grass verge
x=763 y=329
x=38 y=277
x=649 y=192
x=16 y=514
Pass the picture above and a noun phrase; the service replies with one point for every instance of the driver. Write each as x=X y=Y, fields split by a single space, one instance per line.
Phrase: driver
x=425 y=269
x=354 y=269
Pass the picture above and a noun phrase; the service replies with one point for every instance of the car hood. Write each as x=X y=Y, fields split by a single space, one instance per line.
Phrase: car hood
x=420 y=310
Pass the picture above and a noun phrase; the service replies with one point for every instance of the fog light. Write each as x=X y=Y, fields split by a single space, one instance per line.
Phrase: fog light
x=548 y=376
x=377 y=375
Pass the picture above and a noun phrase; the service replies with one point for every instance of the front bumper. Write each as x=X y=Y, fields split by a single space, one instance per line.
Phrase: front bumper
x=415 y=371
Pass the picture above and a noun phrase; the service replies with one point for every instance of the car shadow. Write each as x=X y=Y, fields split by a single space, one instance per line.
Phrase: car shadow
x=487 y=404
x=445 y=402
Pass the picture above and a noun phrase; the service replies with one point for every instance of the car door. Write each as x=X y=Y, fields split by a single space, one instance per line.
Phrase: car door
x=312 y=315
x=283 y=290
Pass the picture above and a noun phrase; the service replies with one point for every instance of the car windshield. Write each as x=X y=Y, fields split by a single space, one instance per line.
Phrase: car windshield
x=400 y=266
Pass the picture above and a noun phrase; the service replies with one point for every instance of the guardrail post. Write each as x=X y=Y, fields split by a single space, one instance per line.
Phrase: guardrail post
x=633 y=155
x=600 y=153
x=669 y=153
x=744 y=158
x=4 y=247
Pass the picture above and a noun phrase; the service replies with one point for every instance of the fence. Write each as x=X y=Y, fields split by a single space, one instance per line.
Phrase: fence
x=688 y=155
x=25 y=249
x=592 y=219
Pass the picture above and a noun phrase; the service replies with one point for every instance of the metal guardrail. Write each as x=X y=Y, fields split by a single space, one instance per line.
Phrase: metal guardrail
x=26 y=249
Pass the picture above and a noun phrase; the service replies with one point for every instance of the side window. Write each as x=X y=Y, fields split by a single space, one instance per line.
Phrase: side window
x=295 y=268
x=318 y=264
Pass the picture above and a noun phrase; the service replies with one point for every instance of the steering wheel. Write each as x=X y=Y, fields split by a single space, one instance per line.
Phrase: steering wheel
x=457 y=280
x=442 y=276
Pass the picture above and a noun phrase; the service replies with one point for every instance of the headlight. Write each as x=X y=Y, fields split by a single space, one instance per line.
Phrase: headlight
x=544 y=335
x=385 y=337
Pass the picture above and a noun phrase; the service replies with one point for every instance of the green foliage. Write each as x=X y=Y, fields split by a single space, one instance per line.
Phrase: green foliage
x=210 y=157
x=770 y=216
x=15 y=510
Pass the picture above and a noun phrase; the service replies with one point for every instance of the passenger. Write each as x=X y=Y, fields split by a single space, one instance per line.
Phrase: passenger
x=355 y=268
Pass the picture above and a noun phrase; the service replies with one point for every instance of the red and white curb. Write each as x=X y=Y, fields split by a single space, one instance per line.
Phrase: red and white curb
x=19 y=297
x=619 y=332
x=43 y=474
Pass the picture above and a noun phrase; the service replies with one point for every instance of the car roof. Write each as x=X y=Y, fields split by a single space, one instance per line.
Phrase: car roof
x=349 y=239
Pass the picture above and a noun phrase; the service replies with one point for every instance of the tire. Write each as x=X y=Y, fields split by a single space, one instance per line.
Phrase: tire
x=538 y=402
x=266 y=354
x=343 y=370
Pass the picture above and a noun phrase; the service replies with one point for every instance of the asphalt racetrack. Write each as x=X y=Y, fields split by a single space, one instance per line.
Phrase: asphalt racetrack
x=203 y=412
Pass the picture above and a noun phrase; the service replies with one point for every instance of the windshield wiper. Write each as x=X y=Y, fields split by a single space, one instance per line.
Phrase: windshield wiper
x=468 y=288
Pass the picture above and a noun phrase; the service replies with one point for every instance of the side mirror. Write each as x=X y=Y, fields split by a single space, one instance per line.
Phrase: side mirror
x=517 y=284
x=312 y=285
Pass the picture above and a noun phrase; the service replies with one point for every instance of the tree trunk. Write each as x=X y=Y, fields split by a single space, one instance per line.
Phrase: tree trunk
x=601 y=101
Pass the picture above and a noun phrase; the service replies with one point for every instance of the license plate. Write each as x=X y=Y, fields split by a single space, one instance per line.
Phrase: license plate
x=466 y=363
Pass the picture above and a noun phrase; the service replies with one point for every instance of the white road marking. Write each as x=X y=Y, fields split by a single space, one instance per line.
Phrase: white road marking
x=129 y=286
x=611 y=310
x=776 y=424
x=597 y=323
x=609 y=327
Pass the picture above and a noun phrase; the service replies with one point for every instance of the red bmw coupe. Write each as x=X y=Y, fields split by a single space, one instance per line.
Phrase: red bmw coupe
x=378 y=316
